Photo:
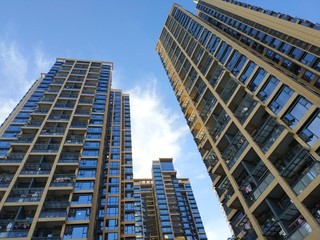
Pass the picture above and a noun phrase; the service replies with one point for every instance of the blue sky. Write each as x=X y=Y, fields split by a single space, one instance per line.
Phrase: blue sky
x=33 y=33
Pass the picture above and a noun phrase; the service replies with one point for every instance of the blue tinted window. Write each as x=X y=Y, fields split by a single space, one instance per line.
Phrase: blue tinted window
x=281 y=99
x=257 y=79
x=296 y=112
x=268 y=88
x=77 y=231
x=247 y=72
x=81 y=198
x=311 y=132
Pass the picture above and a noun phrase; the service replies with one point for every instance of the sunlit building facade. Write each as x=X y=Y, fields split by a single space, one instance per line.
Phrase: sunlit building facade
x=247 y=80
x=65 y=158
x=165 y=207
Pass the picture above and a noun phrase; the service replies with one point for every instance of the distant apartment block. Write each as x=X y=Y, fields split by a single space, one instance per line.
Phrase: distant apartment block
x=165 y=207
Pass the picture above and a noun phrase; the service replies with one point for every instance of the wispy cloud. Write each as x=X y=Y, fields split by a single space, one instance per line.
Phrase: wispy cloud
x=18 y=72
x=154 y=127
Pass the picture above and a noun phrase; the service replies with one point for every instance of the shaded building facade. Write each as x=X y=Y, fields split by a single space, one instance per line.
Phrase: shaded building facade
x=248 y=83
x=65 y=158
x=165 y=207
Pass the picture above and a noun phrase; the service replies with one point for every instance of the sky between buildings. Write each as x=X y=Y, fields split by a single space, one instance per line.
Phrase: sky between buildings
x=34 y=33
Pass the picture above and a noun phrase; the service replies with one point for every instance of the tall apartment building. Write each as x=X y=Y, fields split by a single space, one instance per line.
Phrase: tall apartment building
x=247 y=80
x=165 y=207
x=65 y=158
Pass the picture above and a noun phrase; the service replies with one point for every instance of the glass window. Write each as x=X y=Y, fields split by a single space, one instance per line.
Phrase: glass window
x=296 y=112
x=311 y=132
x=113 y=200
x=86 y=173
x=308 y=76
x=247 y=72
x=296 y=53
x=112 y=211
x=77 y=231
x=281 y=99
x=129 y=229
x=112 y=224
x=94 y=153
x=257 y=79
x=88 y=163
x=81 y=198
x=79 y=214
x=212 y=45
x=84 y=185
x=112 y=236
x=223 y=52
x=268 y=88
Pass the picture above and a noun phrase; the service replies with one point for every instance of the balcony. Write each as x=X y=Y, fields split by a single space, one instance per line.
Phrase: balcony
x=46 y=147
x=24 y=138
x=5 y=180
x=268 y=133
x=70 y=95
x=25 y=195
x=74 y=139
x=88 y=92
x=210 y=160
x=262 y=186
x=221 y=122
x=36 y=168
x=306 y=178
x=235 y=149
x=47 y=238
x=245 y=108
x=52 y=131
x=63 y=180
x=33 y=123
x=82 y=112
x=228 y=89
x=69 y=157
x=54 y=214
x=41 y=110
x=64 y=105
x=48 y=100
x=13 y=157
x=79 y=125
x=59 y=117
x=14 y=228
x=302 y=229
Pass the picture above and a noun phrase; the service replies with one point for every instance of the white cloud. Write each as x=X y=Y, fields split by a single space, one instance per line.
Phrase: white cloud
x=155 y=130
x=18 y=73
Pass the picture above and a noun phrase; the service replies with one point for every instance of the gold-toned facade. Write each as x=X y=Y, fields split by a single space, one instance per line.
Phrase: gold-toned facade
x=248 y=82
x=165 y=207
x=66 y=162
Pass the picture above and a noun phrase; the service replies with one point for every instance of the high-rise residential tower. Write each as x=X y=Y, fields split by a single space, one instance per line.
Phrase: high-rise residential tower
x=248 y=82
x=165 y=207
x=65 y=158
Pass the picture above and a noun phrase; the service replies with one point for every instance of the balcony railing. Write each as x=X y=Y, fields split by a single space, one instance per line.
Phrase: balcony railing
x=79 y=124
x=82 y=112
x=25 y=195
x=268 y=133
x=74 y=139
x=59 y=117
x=62 y=180
x=301 y=231
x=5 y=180
x=53 y=214
x=14 y=157
x=44 y=147
x=47 y=238
x=66 y=157
x=306 y=178
x=52 y=131
x=24 y=138
x=33 y=123
x=256 y=193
